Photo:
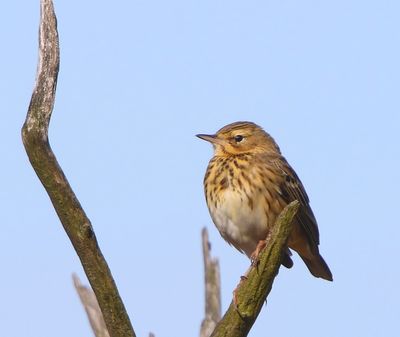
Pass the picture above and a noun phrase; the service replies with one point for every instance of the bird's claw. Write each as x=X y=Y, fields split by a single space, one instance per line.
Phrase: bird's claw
x=254 y=256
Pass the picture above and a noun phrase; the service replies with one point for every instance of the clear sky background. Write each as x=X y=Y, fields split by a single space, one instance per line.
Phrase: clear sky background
x=138 y=80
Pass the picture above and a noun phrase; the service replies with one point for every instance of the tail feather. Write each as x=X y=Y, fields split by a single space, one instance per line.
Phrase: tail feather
x=286 y=260
x=318 y=267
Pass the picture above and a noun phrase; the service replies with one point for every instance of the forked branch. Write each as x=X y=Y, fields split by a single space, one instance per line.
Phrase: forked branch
x=72 y=216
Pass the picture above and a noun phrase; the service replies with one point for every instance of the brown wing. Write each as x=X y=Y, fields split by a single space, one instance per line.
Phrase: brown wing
x=292 y=189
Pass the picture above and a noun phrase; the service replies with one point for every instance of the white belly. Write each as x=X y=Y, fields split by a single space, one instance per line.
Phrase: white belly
x=240 y=223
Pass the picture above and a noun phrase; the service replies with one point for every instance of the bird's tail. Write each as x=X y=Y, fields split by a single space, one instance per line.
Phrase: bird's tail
x=318 y=267
x=286 y=260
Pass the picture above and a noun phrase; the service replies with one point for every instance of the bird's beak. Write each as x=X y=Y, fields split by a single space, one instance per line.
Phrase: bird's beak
x=210 y=138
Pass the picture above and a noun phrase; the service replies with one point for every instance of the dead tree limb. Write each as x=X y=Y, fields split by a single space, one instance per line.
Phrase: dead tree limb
x=252 y=292
x=89 y=302
x=72 y=216
x=212 y=289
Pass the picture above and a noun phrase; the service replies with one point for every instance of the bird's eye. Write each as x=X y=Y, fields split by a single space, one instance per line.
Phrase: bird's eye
x=238 y=138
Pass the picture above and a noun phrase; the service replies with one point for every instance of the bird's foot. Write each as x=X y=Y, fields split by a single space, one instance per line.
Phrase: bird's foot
x=254 y=256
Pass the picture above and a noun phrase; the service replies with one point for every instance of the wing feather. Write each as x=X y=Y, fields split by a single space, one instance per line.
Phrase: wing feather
x=292 y=189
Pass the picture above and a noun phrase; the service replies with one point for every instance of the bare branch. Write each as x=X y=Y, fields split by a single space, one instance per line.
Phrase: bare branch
x=72 y=216
x=212 y=289
x=89 y=302
x=252 y=293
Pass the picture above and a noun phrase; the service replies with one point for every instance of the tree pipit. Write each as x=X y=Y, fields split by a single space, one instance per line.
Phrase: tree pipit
x=247 y=184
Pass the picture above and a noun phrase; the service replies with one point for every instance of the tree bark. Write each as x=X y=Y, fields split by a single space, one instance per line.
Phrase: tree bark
x=253 y=291
x=72 y=216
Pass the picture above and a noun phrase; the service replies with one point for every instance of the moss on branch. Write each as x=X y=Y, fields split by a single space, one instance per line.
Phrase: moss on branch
x=252 y=292
x=72 y=216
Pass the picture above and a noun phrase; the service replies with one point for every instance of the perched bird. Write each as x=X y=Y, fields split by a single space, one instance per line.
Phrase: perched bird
x=247 y=184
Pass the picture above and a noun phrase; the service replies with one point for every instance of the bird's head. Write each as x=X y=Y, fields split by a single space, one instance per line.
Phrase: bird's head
x=241 y=137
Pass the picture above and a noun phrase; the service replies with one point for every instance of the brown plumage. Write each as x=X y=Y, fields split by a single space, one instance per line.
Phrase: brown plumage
x=247 y=184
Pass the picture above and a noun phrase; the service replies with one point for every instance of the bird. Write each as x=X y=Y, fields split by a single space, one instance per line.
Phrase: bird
x=248 y=182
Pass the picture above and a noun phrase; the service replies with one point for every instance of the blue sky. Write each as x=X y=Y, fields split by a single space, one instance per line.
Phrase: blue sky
x=138 y=80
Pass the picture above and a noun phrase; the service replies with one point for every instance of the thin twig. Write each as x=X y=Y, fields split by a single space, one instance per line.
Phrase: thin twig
x=89 y=302
x=212 y=289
